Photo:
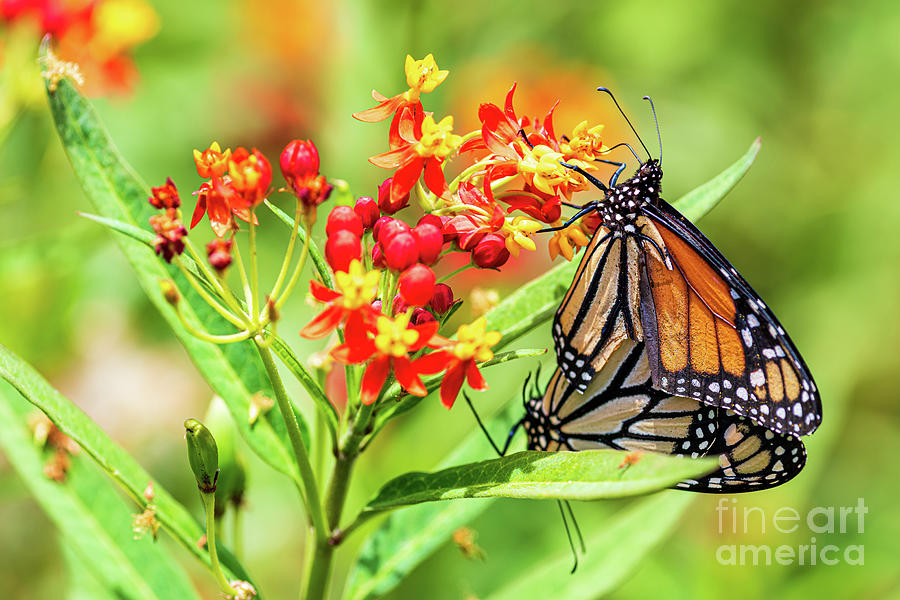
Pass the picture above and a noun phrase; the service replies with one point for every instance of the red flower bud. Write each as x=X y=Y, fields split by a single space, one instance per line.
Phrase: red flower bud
x=490 y=252
x=430 y=241
x=421 y=316
x=442 y=299
x=341 y=248
x=367 y=210
x=219 y=253
x=416 y=285
x=399 y=305
x=384 y=198
x=343 y=218
x=299 y=160
x=390 y=228
x=165 y=196
x=401 y=251
x=378 y=257
x=376 y=305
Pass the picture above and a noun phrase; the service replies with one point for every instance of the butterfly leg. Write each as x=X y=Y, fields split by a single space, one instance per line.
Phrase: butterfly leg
x=620 y=166
x=584 y=210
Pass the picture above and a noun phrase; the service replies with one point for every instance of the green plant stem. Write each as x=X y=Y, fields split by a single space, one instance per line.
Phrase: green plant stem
x=254 y=268
x=209 y=503
x=307 y=477
x=213 y=303
x=454 y=273
x=295 y=276
x=323 y=555
x=288 y=255
x=208 y=337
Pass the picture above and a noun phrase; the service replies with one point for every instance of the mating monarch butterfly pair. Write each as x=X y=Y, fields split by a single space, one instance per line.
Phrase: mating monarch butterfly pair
x=662 y=346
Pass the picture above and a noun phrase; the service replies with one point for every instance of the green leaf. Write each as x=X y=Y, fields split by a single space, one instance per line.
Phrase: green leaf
x=290 y=360
x=234 y=371
x=612 y=554
x=94 y=520
x=109 y=456
x=585 y=475
x=536 y=302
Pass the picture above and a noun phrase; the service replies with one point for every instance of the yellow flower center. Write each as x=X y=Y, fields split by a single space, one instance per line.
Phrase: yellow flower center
x=212 y=160
x=393 y=337
x=566 y=241
x=422 y=76
x=518 y=231
x=475 y=341
x=358 y=287
x=543 y=164
x=585 y=143
x=437 y=139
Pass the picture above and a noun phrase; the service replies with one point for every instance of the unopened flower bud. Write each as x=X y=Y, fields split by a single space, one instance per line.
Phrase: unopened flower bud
x=490 y=252
x=367 y=210
x=421 y=316
x=341 y=248
x=430 y=241
x=272 y=310
x=399 y=305
x=169 y=291
x=401 y=252
x=378 y=257
x=442 y=299
x=219 y=253
x=384 y=198
x=344 y=218
x=387 y=227
x=202 y=454
x=299 y=160
x=416 y=285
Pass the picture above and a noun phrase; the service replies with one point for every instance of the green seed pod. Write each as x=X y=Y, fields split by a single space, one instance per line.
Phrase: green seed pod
x=202 y=454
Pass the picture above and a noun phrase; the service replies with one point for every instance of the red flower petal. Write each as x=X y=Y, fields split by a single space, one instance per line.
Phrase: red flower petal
x=323 y=324
x=451 y=385
x=475 y=379
x=393 y=159
x=426 y=332
x=382 y=111
x=434 y=177
x=373 y=379
x=407 y=377
x=199 y=211
x=321 y=292
x=432 y=363
x=406 y=177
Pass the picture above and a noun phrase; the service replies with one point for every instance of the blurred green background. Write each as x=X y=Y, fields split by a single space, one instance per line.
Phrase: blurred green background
x=812 y=227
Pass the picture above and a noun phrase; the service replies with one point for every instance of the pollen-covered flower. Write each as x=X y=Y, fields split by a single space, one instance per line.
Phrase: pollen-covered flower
x=567 y=241
x=422 y=76
x=518 y=231
x=585 y=143
x=170 y=234
x=212 y=162
x=425 y=145
x=251 y=175
x=356 y=291
x=389 y=345
x=460 y=359
x=542 y=167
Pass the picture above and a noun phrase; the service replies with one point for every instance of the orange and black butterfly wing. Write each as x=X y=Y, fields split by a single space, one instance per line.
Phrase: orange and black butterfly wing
x=711 y=337
x=623 y=411
x=601 y=308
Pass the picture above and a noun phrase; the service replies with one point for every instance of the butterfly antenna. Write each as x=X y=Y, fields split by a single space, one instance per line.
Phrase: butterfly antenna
x=562 y=512
x=606 y=90
x=627 y=146
x=575 y=525
x=655 y=120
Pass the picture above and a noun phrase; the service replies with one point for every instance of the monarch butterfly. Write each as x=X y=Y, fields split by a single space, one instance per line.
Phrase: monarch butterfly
x=650 y=276
x=622 y=410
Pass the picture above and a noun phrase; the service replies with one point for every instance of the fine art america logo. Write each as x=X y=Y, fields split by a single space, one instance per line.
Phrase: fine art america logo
x=821 y=520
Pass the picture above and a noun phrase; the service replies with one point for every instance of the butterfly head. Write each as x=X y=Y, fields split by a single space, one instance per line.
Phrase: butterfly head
x=624 y=201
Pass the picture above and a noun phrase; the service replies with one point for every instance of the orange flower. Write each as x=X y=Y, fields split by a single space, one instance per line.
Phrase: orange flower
x=358 y=289
x=212 y=162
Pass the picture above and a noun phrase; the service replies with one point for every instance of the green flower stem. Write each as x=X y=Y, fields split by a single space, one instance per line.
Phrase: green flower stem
x=295 y=276
x=288 y=254
x=209 y=503
x=234 y=319
x=204 y=268
x=307 y=477
x=456 y=272
x=254 y=268
x=245 y=283
x=208 y=337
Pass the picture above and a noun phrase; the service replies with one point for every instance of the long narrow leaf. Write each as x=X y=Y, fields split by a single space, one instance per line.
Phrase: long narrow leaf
x=233 y=371
x=93 y=519
x=108 y=455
